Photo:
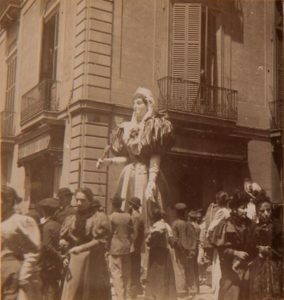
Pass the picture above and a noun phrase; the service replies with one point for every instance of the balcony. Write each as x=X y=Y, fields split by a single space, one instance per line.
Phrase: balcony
x=7 y=124
x=180 y=95
x=42 y=99
x=9 y=12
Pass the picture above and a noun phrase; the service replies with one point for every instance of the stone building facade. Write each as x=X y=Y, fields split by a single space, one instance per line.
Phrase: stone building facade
x=70 y=68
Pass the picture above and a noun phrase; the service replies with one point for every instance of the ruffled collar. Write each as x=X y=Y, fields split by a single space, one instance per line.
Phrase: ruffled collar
x=134 y=129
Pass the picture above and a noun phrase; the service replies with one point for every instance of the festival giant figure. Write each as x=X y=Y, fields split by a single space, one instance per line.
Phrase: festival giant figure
x=140 y=143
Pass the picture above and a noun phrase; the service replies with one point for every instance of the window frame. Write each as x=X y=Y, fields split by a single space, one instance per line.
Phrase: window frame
x=203 y=52
x=53 y=12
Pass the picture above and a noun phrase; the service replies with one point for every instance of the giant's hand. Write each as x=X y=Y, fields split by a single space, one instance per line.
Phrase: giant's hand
x=150 y=191
x=99 y=163
x=112 y=160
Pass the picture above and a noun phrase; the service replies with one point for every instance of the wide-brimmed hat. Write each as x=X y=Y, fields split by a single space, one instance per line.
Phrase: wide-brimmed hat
x=49 y=203
x=63 y=192
x=135 y=201
x=180 y=206
x=8 y=193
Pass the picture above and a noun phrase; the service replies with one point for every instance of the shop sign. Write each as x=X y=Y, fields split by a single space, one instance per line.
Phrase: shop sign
x=34 y=146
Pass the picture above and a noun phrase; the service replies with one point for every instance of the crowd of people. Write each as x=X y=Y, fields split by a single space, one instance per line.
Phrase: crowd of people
x=58 y=251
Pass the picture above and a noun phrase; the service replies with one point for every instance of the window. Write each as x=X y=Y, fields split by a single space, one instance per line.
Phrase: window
x=50 y=48
x=193 y=52
x=7 y=116
x=11 y=82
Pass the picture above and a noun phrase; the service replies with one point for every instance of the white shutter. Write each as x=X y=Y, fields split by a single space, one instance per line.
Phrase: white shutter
x=194 y=41
x=185 y=54
x=178 y=63
x=193 y=53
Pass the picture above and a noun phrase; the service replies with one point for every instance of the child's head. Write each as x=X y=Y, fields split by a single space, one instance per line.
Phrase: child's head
x=192 y=215
x=222 y=198
x=116 y=202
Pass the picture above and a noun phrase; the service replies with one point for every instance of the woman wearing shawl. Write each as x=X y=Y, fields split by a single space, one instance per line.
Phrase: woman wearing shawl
x=223 y=213
x=231 y=238
x=266 y=270
x=140 y=143
x=160 y=283
x=86 y=233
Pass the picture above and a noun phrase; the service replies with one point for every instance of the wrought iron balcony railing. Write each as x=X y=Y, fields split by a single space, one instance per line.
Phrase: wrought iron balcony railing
x=7 y=124
x=275 y=109
x=182 y=95
x=42 y=98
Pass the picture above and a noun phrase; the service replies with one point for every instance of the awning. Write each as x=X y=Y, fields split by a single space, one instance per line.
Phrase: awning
x=39 y=142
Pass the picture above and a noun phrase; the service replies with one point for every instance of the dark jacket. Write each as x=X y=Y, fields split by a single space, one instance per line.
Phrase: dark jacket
x=122 y=233
x=62 y=213
x=138 y=228
x=50 y=254
x=183 y=234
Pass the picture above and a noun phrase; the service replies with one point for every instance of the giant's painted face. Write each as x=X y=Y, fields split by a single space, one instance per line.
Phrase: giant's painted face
x=139 y=108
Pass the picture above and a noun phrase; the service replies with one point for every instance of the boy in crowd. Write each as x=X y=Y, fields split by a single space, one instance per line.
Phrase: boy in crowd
x=182 y=246
x=138 y=238
x=120 y=249
x=50 y=260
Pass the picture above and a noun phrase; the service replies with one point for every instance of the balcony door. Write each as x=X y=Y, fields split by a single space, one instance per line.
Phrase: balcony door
x=49 y=48
x=48 y=75
x=193 y=56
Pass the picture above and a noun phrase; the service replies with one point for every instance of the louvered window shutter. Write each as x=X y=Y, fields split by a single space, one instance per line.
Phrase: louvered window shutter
x=179 y=58
x=193 y=54
x=185 y=54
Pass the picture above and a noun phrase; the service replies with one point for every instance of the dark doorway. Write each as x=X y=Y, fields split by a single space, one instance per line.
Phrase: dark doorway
x=42 y=173
x=195 y=181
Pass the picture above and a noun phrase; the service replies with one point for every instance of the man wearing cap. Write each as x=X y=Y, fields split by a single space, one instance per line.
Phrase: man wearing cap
x=138 y=237
x=64 y=196
x=182 y=239
x=50 y=260
x=120 y=248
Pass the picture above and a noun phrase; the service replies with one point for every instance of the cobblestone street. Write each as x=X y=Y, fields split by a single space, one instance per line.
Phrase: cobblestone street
x=205 y=293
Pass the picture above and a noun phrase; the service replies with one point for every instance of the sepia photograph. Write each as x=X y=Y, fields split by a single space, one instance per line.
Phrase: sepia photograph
x=142 y=149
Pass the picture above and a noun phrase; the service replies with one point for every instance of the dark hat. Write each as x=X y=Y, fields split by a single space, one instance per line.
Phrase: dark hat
x=135 y=201
x=116 y=201
x=180 y=206
x=96 y=203
x=50 y=203
x=8 y=193
x=238 y=199
x=64 y=192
